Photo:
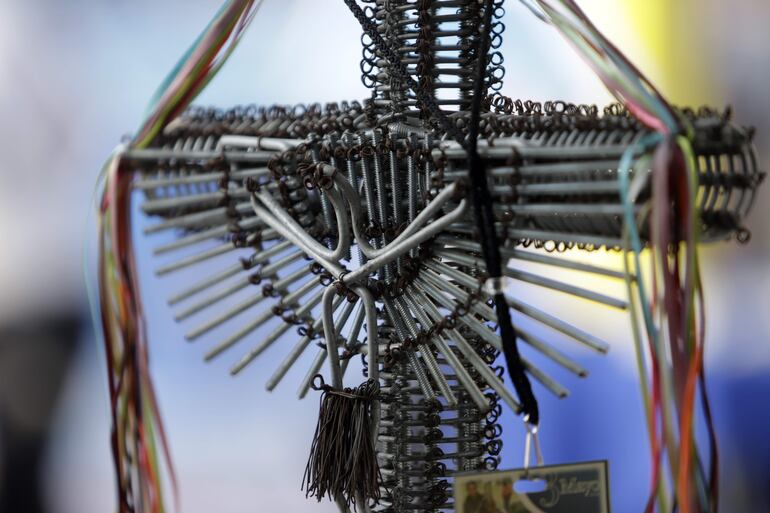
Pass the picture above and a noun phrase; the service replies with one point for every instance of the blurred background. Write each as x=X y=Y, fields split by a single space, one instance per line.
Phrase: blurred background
x=74 y=79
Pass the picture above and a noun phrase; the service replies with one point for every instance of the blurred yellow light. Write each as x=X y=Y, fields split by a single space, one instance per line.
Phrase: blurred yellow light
x=671 y=33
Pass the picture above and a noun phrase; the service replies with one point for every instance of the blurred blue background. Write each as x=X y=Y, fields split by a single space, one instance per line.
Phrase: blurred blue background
x=75 y=76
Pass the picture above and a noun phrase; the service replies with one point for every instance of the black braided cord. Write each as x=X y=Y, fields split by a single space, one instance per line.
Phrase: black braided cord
x=490 y=246
x=482 y=200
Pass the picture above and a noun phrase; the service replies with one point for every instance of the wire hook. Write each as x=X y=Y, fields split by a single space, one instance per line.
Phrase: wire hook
x=531 y=438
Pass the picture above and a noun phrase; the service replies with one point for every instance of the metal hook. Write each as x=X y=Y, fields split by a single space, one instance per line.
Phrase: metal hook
x=531 y=438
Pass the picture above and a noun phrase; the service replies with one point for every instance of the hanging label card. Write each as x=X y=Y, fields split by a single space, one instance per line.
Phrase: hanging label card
x=576 y=488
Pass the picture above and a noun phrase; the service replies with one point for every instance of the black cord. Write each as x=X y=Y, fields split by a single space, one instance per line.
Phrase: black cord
x=485 y=223
x=482 y=199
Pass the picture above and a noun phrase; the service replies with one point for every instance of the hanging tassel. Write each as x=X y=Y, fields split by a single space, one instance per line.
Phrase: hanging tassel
x=343 y=463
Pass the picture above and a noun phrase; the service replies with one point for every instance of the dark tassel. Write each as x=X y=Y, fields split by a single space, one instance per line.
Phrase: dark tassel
x=343 y=464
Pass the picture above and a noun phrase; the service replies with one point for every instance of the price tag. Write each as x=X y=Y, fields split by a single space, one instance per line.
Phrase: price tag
x=575 y=488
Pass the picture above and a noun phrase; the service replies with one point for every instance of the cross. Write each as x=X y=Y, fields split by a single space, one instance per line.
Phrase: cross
x=374 y=195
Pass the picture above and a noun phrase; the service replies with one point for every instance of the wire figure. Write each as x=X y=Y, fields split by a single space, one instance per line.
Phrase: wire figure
x=381 y=229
